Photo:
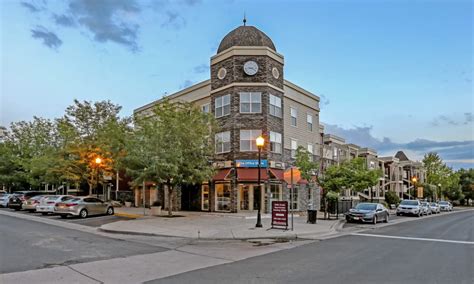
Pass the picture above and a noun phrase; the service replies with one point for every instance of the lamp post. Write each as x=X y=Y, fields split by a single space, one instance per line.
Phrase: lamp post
x=413 y=180
x=97 y=161
x=439 y=190
x=260 y=142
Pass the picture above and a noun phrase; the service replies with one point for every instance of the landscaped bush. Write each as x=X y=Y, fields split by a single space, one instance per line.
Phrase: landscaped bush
x=392 y=198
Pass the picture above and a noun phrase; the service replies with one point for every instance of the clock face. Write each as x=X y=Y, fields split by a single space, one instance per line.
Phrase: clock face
x=221 y=73
x=250 y=68
x=275 y=73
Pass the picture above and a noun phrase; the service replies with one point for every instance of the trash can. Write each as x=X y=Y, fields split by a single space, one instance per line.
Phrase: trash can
x=312 y=216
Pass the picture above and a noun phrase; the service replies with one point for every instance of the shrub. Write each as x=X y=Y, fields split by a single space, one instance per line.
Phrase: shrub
x=392 y=198
x=156 y=203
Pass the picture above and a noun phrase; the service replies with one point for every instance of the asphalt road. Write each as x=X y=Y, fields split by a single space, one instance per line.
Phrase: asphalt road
x=26 y=245
x=427 y=250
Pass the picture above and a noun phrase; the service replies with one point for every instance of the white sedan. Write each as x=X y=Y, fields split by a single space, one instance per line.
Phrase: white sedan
x=445 y=206
x=47 y=204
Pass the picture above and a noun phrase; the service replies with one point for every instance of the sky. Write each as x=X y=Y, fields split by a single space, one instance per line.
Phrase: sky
x=392 y=74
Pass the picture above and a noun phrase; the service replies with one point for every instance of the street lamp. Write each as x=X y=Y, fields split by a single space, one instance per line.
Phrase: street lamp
x=97 y=161
x=260 y=141
x=413 y=180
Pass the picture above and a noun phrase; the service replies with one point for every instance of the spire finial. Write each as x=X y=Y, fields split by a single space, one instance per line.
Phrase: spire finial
x=245 y=19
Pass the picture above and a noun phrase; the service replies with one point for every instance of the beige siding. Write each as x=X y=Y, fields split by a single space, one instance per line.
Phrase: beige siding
x=300 y=132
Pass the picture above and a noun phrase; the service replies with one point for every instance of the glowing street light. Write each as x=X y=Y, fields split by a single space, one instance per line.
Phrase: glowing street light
x=97 y=161
x=414 y=180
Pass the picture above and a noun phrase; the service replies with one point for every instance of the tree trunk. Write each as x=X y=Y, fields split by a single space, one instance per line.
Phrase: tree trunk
x=90 y=188
x=170 y=200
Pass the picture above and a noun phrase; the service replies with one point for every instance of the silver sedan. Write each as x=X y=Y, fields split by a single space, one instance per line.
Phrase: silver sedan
x=83 y=206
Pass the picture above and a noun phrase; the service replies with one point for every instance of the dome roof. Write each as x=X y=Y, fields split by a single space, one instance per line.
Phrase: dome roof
x=245 y=36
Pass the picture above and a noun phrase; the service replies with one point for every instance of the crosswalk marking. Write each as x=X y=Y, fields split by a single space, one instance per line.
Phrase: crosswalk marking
x=413 y=238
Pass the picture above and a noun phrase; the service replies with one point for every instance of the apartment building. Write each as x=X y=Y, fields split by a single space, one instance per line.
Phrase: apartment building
x=249 y=96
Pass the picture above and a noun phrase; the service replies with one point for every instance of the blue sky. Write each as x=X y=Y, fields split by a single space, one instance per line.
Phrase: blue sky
x=391 y=74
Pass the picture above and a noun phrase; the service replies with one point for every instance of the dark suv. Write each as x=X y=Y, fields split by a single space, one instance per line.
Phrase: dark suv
x=18 y=197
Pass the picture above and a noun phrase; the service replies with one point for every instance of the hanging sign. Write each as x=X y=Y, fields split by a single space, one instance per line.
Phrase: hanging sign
x=280 y=214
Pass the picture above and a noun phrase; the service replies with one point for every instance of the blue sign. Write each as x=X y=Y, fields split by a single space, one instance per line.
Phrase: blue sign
x=251 y=163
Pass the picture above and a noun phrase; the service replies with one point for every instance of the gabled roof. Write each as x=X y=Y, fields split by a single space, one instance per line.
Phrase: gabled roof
x=401 y=156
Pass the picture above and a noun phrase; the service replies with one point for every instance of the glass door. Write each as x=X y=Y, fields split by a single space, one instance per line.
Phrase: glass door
x=223 y=197
x=244 y=200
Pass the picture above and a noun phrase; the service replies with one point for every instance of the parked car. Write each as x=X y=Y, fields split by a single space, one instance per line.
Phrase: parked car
x=434 y=208
x=30 y=204
x=445 y=206
x=426 y=208
x=4 y=199
x=47 y=204
x=83 y=206
x=16 y=201
x=410 y=207
x=368 y=212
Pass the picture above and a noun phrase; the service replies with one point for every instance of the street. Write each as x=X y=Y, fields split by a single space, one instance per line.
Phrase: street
x=443 y=253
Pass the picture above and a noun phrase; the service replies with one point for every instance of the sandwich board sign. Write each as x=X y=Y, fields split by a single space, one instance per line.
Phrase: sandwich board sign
x=280 y=214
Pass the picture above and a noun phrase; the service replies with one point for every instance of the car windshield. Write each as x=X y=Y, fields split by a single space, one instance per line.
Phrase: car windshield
x=73 y=200
x=424 y=203
x=409 y=202
x=366 y=206
x=443 y=202
x=433 y=204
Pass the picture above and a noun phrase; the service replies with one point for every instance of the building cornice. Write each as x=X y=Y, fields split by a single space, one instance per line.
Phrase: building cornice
x=250 y=84
x=247 y=50
x=301 y=90
x=175 y=95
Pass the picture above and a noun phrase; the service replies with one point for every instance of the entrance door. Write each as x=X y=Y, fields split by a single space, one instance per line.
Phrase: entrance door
x=248 y=197
x=244 y=191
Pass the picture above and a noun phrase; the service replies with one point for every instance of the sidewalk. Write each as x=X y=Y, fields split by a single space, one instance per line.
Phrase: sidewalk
x=217 y=226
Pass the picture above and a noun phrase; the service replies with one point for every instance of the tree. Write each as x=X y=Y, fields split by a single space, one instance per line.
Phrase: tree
x=466 y=181
x=306 y=166
x=353 y=174
x=84 y=129
x=173 y=147
x=392 y=198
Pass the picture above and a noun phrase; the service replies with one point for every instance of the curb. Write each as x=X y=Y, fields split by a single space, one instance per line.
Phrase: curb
x=128 y=215
x=287 y=237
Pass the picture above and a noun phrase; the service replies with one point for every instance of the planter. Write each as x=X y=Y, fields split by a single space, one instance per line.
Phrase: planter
x=128 y=204
x=155 y=210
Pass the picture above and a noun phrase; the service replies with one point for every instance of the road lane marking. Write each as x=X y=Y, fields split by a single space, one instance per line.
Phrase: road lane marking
x=413 y=238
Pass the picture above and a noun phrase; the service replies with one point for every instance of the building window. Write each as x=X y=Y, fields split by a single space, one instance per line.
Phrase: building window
x=293 y=114
x=310 y=151
x=205 y=108
x=275 y=142
x=275 y=106
x=223 y=142
x=309 y=121
x=294 y=146
x=247 y=140
x=223 y=192
x=222 y=106
x=294 y=199
x=335 y=153
x=251 y=102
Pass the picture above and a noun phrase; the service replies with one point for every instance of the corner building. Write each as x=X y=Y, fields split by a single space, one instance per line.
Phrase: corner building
x=248 y=95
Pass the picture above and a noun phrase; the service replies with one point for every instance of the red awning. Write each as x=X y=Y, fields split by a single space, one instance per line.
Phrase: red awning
x=221 y=175
x=251 y=174
x=277 y=174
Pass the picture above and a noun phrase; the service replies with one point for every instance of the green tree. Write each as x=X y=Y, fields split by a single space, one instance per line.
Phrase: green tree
x=304 y=163
x=392 y=198
x=173 y=147
x=85 y=132
x=466 y=180
x=353 y=174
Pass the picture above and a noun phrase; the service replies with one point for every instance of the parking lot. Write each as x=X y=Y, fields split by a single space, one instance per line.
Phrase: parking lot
x=92 y=221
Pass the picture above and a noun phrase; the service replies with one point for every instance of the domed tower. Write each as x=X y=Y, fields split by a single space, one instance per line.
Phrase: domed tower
x=247 y=100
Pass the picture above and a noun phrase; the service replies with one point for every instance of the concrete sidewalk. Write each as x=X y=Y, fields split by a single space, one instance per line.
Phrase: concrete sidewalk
x=218 y=226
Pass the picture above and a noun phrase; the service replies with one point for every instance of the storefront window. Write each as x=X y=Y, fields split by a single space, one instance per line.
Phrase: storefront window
x=205 y=197
x=223 y=197
x=275 y=191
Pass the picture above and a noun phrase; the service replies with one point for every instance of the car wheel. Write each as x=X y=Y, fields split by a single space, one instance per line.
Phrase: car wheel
x=83 y=213
x=63 y=216
x=110 y=211
x=375 y=219
x=386 y=218
x=44 y=213
x=398 y=214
